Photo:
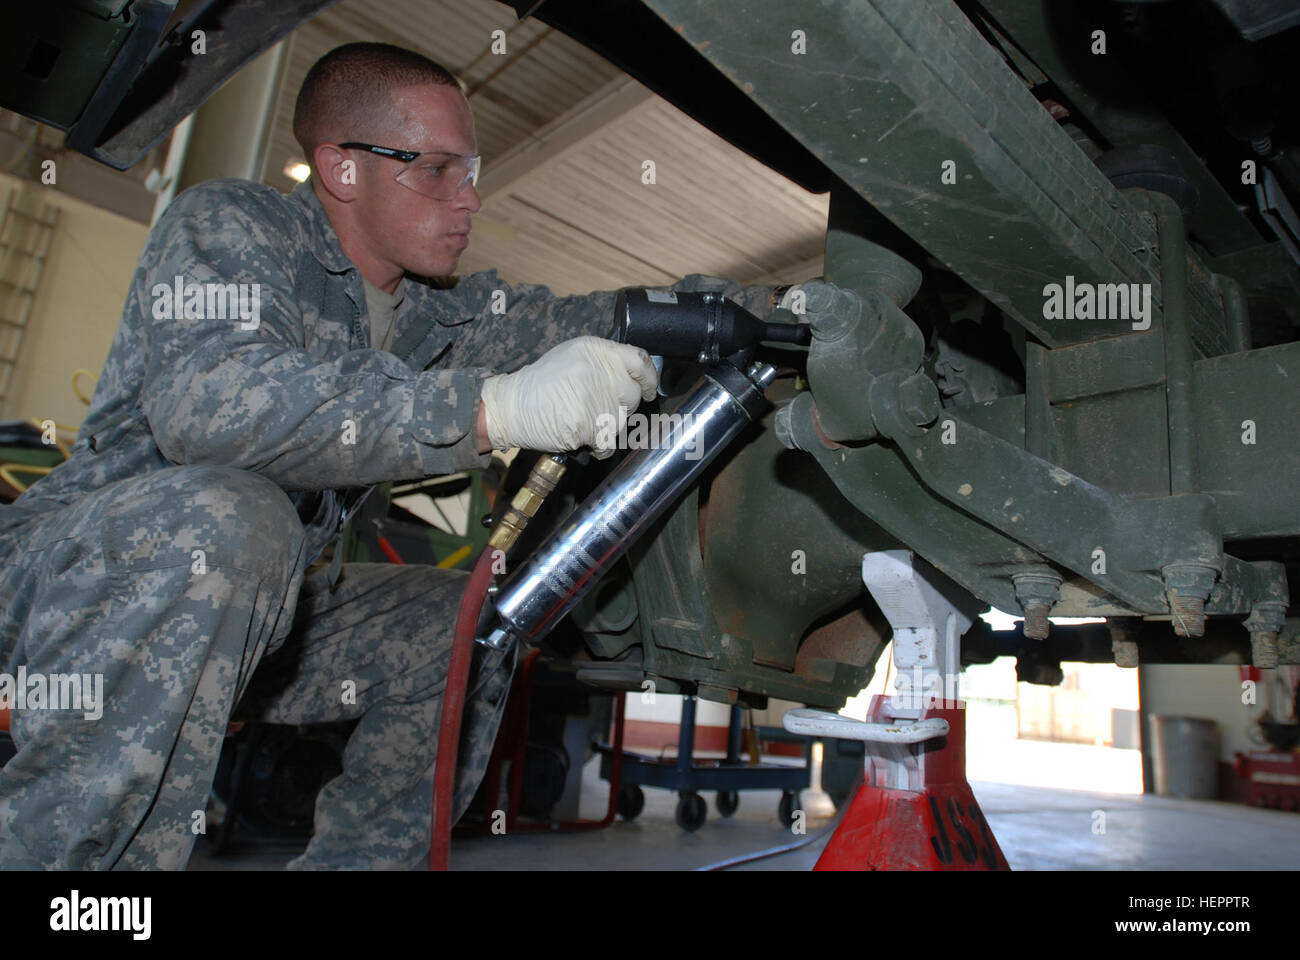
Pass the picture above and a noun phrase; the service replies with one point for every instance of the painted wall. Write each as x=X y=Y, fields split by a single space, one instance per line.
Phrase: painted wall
x=76 y=308
x=1212 y=691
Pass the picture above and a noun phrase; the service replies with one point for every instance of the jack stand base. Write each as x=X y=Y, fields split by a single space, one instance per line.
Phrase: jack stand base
x=915 y=810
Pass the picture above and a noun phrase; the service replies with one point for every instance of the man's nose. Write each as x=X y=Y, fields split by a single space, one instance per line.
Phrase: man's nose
x=468 y=199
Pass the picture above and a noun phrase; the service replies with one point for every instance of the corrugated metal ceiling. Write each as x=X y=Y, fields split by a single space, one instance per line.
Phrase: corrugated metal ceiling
x=574 y=212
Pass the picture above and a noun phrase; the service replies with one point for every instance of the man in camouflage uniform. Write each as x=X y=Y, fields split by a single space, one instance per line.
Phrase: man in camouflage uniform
x=176 y=550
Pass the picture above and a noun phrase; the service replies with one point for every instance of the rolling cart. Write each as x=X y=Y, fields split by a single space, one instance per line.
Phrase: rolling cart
x=689 y=776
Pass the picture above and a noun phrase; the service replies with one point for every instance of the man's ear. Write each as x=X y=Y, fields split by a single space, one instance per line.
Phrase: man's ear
x=336 y=171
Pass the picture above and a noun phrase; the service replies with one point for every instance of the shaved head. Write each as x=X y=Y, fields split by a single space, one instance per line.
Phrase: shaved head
x=349 y=93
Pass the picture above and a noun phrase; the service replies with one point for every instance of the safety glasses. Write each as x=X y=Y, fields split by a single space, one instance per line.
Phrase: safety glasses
x=440 y=176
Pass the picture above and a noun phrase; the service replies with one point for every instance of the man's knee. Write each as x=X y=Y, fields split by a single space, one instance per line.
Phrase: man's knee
x=203 y=517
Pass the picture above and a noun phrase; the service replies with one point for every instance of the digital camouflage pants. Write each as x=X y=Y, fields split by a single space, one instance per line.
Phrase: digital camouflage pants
x=174 y=586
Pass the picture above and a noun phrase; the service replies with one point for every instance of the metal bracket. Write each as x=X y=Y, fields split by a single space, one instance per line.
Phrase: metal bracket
x=927 y=637
x=819 y=723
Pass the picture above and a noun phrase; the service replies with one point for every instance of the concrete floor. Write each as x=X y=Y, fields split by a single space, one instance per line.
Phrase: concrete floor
x=1039 y=828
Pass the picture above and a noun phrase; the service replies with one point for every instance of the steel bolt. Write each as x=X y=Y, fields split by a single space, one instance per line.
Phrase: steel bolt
x=918 y=400
x=1188 y=613
x=1122 y=644
x=1187 y=587
x=1126 y=653
x=1037 y=626
x=1263 y=648
x=831 y=311
x=1037 y=589
x=1267 y=619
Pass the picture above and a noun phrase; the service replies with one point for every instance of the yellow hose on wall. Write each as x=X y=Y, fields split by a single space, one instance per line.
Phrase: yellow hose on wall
x=9 y=470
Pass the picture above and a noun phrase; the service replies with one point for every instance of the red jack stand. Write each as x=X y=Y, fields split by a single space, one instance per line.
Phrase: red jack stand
x=914 y=810
x=933 y=822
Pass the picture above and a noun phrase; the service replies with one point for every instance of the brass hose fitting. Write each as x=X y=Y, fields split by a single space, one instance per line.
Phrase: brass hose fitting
x=541 y=482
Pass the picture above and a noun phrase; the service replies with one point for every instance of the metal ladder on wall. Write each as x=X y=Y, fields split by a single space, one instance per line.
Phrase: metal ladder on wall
x=26 y=232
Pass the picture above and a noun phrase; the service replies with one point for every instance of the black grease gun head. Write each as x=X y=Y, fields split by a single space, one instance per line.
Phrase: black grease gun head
x=703 y=327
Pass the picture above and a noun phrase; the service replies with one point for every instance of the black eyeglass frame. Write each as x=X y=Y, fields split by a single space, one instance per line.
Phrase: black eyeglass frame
x=406 y=156
x=474 y=164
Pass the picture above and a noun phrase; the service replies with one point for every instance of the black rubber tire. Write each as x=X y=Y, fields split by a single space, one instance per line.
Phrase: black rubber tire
x=692 y=811
x=631 y=801
x=728 y=802
x=788 y=805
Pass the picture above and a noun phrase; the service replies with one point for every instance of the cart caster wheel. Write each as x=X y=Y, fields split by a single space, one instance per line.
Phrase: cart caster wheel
x=728 y=801
x=691 y=811
x=786 y=809
x=631 y=801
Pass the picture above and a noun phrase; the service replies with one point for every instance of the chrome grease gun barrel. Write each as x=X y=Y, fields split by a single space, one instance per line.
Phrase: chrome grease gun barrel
x=552 y=581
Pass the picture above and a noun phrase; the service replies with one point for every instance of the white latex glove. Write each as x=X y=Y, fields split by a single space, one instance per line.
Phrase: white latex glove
x=561 y=401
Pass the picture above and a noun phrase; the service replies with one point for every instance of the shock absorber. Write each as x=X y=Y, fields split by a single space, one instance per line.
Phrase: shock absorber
x=560 y=572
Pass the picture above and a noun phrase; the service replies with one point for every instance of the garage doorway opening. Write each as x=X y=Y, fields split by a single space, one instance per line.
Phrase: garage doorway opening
x=1082 y=734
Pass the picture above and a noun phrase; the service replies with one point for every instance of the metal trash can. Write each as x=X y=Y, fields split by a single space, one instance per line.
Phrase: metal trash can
x=1185 y=756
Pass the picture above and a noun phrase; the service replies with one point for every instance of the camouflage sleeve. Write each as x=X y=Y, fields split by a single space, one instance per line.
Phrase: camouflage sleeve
x=250 y=394
x=536 y=319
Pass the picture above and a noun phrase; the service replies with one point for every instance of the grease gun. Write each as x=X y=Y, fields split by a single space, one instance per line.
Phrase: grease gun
x=702 y=327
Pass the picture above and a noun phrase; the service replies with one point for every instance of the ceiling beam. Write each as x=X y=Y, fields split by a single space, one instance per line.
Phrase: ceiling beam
x=616 y=101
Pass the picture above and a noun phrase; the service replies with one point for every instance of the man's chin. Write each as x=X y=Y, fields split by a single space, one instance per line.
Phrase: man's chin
x=445 y=267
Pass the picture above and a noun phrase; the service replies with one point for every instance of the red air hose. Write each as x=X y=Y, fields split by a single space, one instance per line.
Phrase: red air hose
x=453 y=707
x=546 y=473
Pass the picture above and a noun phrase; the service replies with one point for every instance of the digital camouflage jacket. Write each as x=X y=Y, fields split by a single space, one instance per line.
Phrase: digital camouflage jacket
x=263 y=362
